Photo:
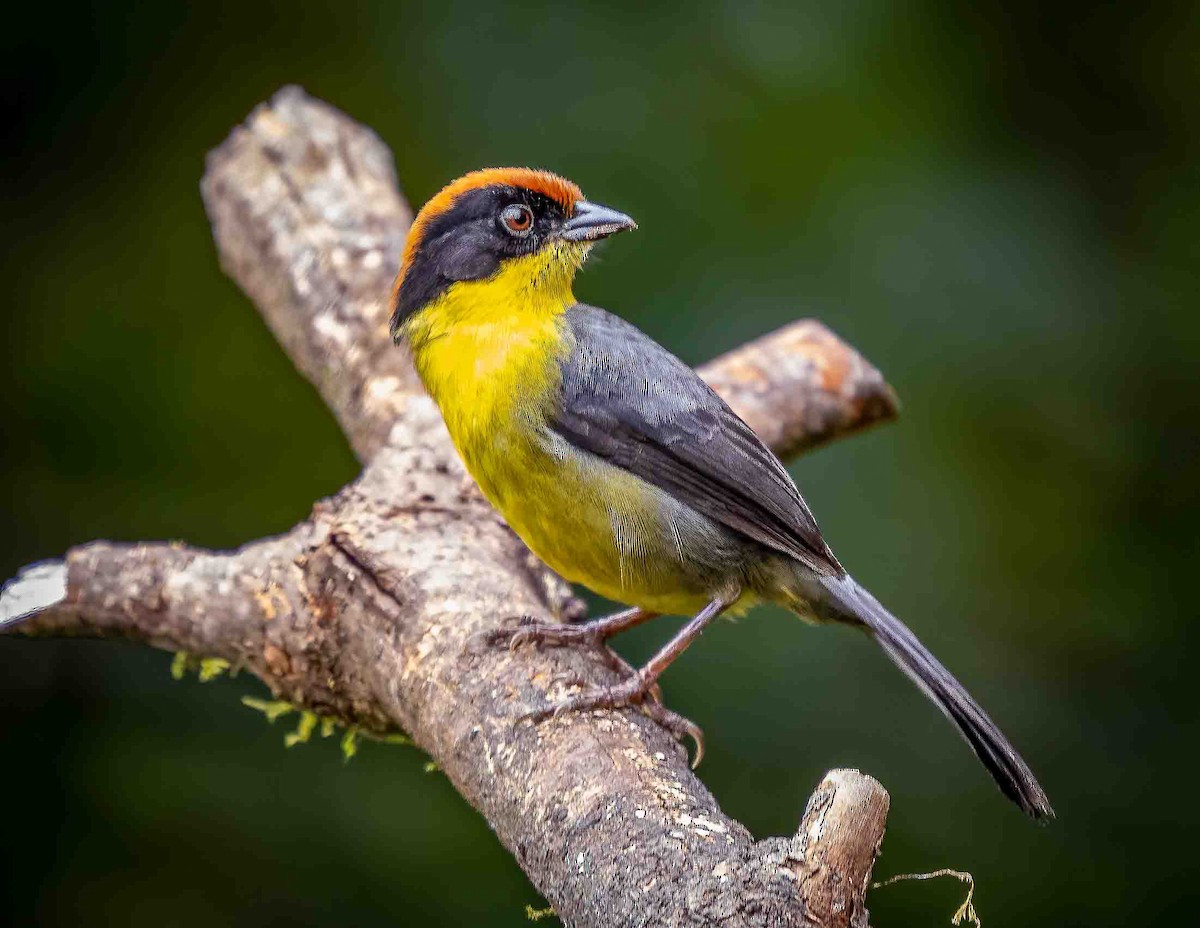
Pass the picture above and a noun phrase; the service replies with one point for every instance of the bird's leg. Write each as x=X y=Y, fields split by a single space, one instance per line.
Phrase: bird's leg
x=596 y=631
x=641 y=684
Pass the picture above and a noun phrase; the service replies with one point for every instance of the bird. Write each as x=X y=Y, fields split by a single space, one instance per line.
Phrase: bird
x=614 y=462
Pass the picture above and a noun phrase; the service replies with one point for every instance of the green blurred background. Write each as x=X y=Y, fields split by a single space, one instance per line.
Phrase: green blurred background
x=997 y=203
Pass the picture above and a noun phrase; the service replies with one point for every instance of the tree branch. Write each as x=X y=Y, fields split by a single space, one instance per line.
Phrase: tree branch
x=309 y=220
x=374 y=609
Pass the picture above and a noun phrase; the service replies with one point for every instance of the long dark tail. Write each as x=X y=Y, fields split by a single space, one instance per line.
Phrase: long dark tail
x=848 y=601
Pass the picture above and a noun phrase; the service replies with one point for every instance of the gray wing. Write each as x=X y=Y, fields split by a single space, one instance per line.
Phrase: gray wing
x=628 y=400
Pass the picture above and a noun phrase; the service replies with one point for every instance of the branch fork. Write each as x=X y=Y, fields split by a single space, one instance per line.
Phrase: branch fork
x=371 y=611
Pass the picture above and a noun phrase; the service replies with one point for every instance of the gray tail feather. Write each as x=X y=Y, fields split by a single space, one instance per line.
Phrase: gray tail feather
x=850 y=602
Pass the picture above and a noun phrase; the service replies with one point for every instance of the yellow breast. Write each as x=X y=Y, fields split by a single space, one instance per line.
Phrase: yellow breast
x=489 y=353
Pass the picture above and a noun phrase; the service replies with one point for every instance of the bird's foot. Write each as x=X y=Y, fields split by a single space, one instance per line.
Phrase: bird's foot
x=638 y=689
x=529 y=630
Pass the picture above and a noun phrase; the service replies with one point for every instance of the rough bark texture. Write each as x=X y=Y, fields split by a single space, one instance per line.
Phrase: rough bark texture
x=309 y=220
x=373 y=610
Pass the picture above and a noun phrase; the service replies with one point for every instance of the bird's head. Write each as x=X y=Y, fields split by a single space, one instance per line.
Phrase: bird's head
x=531 y=225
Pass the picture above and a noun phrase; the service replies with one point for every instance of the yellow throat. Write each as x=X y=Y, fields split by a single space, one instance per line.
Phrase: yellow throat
x=488 y=350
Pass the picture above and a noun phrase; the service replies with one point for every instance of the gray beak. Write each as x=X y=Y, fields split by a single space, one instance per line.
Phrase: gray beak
x=593 y=221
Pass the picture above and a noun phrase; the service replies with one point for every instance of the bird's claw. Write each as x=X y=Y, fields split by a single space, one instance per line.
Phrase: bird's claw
x=679 y=726
x=635 y=690
x=630 y=691
x=529 y=631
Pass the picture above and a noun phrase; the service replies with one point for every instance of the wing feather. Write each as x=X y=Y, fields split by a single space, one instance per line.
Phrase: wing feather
x=628 y=400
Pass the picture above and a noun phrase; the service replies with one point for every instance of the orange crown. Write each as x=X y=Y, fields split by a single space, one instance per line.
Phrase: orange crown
x=559 y=189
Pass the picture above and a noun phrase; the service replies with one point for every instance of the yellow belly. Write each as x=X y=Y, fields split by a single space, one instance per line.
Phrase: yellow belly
x=590 y=522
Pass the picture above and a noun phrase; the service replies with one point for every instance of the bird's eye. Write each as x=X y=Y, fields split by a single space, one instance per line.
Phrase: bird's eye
x=517 y=219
